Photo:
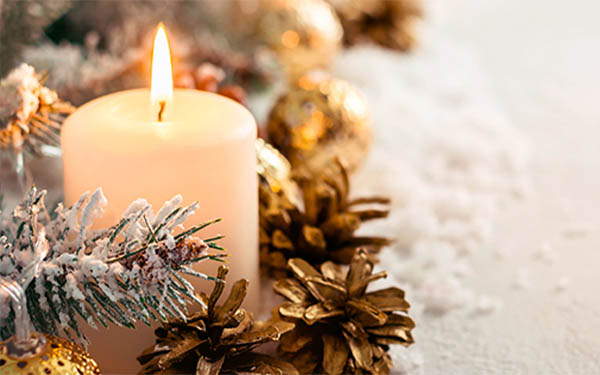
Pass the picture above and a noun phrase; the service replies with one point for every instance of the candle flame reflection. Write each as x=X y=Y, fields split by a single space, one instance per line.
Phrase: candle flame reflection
x=161 y=87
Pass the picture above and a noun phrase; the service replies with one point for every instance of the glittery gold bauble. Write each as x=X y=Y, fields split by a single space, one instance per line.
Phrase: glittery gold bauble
x=304 y=34
x=389 y=23
x=318 y=120
x=53 y=356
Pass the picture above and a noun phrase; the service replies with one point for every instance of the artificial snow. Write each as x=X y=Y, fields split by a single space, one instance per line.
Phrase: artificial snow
x=562 y=284
x=576 y=230
x=446 y=156
x=546 y=253
x=487 y=304
x=522 y=281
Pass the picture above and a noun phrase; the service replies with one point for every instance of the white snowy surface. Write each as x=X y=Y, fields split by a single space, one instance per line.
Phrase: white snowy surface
x=487 y=140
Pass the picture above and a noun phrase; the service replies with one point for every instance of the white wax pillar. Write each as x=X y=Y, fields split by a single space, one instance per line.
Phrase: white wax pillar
x=203 y=150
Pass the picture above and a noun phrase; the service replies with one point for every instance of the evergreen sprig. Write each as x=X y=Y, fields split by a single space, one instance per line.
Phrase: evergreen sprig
x=127 y=273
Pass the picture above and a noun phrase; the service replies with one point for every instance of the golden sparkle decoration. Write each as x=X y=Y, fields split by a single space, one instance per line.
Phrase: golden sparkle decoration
x=388 y=23
x=318 y=120
x=340 y=328
x=54 y=355
x=303 y=34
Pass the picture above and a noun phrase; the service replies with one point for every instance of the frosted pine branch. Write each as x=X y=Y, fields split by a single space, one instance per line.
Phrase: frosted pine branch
x=127 y=273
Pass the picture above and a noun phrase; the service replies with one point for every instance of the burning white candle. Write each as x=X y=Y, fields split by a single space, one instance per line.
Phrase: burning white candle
x=157 y=143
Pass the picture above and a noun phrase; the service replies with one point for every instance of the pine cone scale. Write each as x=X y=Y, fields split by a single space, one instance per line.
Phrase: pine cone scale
x=292 y=290
x=233 y=301
x=389 y=299
x=207 y=367
x=244 y=324
x=306 y=361
x=398 y=332
x=335 y=354
x=360 y=287
x=366 y=313
x=318 y=312
x=332 y=271
x=293 y=342
x=402 y=320
x=258 y=334
x=176 y=353
x=361 y=351
x=292 y=310
x=389 y=340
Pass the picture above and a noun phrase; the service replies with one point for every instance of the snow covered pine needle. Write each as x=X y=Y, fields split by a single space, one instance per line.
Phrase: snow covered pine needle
x=129 y=272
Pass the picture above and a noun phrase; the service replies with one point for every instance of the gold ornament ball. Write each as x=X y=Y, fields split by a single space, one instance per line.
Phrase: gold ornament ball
x=303 y=34
x=56 y=356
x=319 y=119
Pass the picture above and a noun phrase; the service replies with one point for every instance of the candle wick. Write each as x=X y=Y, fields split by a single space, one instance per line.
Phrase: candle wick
x=162 y=109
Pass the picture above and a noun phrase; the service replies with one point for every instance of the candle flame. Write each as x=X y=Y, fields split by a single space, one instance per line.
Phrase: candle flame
x=161 y=87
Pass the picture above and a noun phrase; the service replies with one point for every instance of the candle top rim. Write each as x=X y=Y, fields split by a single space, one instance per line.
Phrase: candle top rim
x=144 y=90
x=196 y=118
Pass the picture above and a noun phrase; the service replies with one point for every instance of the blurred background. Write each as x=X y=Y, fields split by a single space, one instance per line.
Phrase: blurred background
x=485 y=134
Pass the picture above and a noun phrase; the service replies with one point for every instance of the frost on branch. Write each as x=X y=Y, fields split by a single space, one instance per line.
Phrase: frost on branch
x=31 y=114
x=127 y=273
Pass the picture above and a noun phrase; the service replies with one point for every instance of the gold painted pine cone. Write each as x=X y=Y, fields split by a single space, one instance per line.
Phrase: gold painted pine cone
x=319 y=224
x=217 y=340
x=340 y=328
x=318 y=120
